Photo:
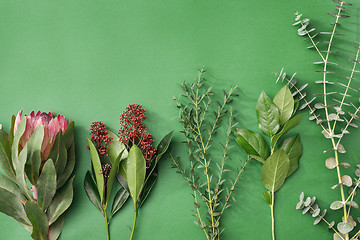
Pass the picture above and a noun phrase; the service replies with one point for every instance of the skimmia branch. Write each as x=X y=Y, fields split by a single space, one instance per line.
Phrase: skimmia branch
x=204 y=170
x=335 y=112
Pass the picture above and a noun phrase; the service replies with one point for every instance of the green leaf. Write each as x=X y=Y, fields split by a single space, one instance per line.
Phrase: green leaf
x=15 y=146
x=60 y=203
x=268 y=115
x=5 y=156
x=92 y=191
x=56 y=228
x=111 y=177
x=121 y=196
x=11 y=133
x=38 y=220
x=161 y=149
x=11 y=205
x=61 y=180
x=10 y=186
x=32 y=166
x=97 y=168
x=292 y=147
x=148 y=187
x=58 y=154
x=252 y=143
x=47 y=184
x=267 y=196
x=275 y=169
x=285 y=103
x=287 y=127
x=135 y=168
x=20 y=173
x=115 y=148
x=69 y=135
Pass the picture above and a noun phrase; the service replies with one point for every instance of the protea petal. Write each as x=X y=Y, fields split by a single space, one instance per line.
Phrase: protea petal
x=63 y=123
x=17 y=120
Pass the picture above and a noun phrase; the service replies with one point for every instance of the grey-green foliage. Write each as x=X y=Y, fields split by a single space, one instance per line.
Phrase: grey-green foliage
x=36 y=192
x=205 y=167
x=275 y=118
x=334 y=108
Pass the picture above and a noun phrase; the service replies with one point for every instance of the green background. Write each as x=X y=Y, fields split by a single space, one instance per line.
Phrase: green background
x=89 y=59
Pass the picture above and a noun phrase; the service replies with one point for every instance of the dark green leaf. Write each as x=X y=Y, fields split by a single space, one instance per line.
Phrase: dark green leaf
x=287 y=127
x=11 y=205
x=56 y=228
x=38 y=220
x=135 y=168
x=32 y=166
x=115 y=148
x=268 y=115
x=267 y=196
x=60 y=203
x=10 y=186
x=252 y=143
x=111 y=177
x=5 y=156
x=69 y=167
x=148 y=187
x=69 y=135
x=285 y=103
x=292 y=147
x=121 y=196
x=97 y=168
x=161 y=149
x=46 y=184
x=58 y=154
x=92 y=191
x=275 y=169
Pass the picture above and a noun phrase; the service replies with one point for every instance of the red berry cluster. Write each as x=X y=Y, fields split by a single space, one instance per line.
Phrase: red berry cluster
x=100 y=138
x=133 y=131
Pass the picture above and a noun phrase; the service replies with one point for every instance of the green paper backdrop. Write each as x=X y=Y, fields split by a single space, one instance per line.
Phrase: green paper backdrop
x=89 y=59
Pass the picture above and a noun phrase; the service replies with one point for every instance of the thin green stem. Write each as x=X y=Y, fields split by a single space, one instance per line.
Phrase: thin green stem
x=107 y=225
x=272 y=215
x=134 y=224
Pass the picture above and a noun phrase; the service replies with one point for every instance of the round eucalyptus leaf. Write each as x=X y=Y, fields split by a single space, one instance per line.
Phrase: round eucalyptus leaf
x=357 y=172
x=337 y=237
x=336 y=205
x=341 y=148
x=345 y=227
x=300 y=205
x=331 y=224
x=330 y=163
x=306 y=209
x=316 y=213
x=345 y=165
x=346 y=180
x=317 y=220
x=307 y=201
x=323 y=213
x=352 y=204
x=301 y=197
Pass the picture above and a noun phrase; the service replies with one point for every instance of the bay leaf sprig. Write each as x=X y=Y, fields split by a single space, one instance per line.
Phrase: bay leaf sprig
x=275 y=118
x=335 y=109
x=204 y=169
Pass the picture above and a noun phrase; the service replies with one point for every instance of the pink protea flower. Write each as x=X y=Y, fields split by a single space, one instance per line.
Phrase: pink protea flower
x=52 y=126
x=133 y=131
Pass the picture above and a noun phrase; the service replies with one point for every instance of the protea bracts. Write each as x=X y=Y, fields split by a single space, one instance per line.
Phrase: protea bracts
x=38 y=158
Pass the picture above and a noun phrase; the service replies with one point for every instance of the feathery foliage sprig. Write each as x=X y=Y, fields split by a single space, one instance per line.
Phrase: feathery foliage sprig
x=335 y=112
x=205 y=169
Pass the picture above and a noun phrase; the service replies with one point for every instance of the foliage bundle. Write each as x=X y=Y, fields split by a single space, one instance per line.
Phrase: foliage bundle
x=205 y=169
x=275 y=118
x=129 y=158
x=38 y=158
x=335 y=112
